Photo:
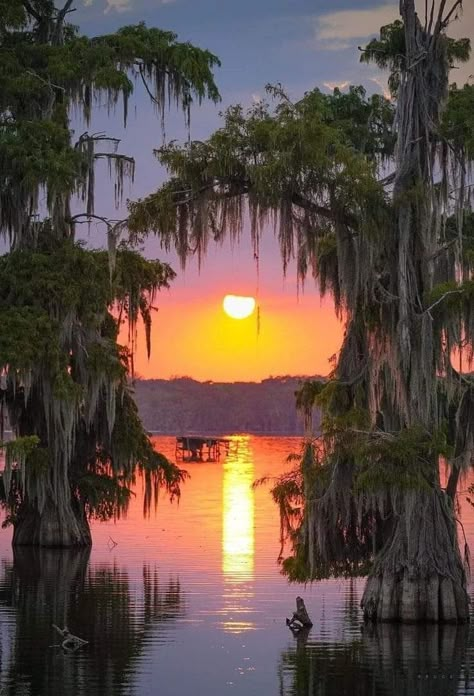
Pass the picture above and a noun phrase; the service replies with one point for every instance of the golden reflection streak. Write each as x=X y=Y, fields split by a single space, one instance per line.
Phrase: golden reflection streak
x=238 y=535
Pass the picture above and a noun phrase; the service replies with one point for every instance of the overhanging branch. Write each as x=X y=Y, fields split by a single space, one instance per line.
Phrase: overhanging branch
x=334 y=216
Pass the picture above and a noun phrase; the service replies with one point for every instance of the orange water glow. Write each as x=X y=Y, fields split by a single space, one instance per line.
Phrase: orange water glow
x=224 y=535
x=229 y=519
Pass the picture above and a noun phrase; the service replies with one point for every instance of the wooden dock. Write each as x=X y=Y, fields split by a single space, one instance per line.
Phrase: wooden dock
x=200 y=449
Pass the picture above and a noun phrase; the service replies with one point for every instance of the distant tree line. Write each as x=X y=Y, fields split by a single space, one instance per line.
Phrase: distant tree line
x=184 y=405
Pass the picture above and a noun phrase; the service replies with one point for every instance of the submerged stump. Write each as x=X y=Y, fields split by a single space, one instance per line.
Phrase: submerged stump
x=300 y=619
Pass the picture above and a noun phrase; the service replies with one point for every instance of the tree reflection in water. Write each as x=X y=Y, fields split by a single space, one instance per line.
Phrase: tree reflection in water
x=100 y=604
x=387 y=660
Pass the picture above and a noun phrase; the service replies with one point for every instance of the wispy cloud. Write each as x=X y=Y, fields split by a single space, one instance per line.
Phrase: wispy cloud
x=118 y=6
x=122 y=5
x=383 y=84
x=338 y=30
x=339 y=85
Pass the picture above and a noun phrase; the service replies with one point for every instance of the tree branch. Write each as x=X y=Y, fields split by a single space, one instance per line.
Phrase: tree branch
x=31 y=11
x=439 y=21
x=111 y=224
x=450 y=14
x=57 y=34
x=51 y=85
x=444 y=248
x=349 y=220
x=446 y=294
x=388 y=179
x=96 y=137
x=114 y=155
x=65 y=10
x=430 y=25
x=145 y=83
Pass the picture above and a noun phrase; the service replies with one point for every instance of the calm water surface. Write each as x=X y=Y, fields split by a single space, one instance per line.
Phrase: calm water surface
x=191 y=601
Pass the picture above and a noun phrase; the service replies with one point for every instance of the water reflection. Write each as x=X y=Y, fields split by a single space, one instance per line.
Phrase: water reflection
x=100 y=604
x=238 y=545
x=387 y=660
x=238 y=536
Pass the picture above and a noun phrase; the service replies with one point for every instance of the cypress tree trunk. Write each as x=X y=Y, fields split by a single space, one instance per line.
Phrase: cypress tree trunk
x=57 y=525
x=419 y=575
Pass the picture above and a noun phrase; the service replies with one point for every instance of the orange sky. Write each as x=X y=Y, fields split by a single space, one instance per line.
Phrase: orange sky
x=192 y=336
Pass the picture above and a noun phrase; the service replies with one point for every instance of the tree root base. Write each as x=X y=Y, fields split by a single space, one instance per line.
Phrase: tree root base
x=49 y=529
x=403 y=599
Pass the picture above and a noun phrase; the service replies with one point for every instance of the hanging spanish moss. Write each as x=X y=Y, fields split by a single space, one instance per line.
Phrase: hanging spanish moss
x=371 y=197
x=78 y=440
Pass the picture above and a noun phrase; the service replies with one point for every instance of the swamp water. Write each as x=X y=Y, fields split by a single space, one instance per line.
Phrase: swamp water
x=191 y=601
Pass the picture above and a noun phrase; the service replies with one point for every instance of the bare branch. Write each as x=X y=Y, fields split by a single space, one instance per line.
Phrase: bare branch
x=430 y=25
x=388 y=179
x=90 y=216
x=447 y=19
x=85 y=137
x=443 y=297
x=439 y=21
x=57 y=34
x=51 y=85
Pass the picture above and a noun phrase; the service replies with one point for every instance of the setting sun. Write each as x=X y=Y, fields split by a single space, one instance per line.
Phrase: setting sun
x=238 y=307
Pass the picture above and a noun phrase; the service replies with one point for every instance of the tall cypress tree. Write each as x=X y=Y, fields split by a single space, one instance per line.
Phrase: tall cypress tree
x=64 y=376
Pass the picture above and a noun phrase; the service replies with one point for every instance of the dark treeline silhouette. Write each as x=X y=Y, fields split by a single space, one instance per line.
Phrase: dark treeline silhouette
x=184 y=405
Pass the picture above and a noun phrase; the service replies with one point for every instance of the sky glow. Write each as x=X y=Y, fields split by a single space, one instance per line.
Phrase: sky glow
x=301 y=44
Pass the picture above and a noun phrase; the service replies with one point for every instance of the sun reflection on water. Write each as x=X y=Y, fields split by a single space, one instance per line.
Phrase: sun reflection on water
x=238 y=542
x=238 y=536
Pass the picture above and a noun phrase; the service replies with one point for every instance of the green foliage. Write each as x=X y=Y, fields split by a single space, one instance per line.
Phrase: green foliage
x=281 y=160
x=21 y=447
x=39 y=289
x=458 y=121
x=61 y=329
x=64 y=376
x=451 y=297
x=48 y=69
x=297 y=569
x=129 y=443
x=306 y=398
x=397 y=462
x=103 y=496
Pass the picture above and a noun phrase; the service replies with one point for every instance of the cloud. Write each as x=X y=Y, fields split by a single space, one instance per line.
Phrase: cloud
x=125 y=5
x=339 y=85
x=347 y=28
x=338 y=30
x=383 y=84
x=118 y=6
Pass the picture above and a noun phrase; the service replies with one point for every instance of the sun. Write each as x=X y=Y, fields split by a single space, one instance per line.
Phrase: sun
x=238 y=307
